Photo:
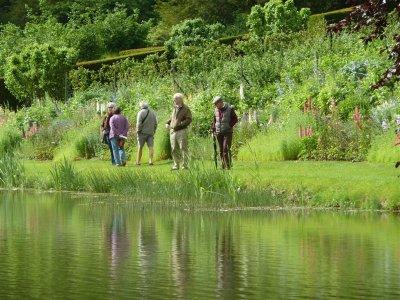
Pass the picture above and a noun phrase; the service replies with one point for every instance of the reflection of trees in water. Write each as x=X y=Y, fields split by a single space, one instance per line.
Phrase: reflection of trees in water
x=180 y=258
x=147 y=250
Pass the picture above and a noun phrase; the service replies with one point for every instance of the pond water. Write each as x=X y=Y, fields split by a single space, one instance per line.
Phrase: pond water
x=66 y=246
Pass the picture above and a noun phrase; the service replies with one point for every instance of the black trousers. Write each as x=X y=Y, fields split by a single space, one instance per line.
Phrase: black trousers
x=225 y=143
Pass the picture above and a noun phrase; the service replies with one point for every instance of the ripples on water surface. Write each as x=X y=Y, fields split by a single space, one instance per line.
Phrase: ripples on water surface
x=61 y=246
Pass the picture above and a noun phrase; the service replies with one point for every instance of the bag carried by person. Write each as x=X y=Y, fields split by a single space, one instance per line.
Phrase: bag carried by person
x=121 y=141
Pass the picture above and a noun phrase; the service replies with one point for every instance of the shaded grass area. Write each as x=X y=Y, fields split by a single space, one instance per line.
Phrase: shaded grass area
x=313 y=184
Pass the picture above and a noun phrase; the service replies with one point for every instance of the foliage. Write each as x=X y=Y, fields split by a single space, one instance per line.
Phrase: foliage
x=37 y=70
x=193 y=32
x=43 y=144
x=10 y=139
x=333 y=139
x=104 y=33
x=383 y=149
x=80 y=142
x=11 y=171
x=277 y=16
x=375 y=15
x=65 y=177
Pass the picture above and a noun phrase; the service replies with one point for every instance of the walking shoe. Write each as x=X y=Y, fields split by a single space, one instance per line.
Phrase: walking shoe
x=175 y=168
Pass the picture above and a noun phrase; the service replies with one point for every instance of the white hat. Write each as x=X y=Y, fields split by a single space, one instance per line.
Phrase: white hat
x=217 y=99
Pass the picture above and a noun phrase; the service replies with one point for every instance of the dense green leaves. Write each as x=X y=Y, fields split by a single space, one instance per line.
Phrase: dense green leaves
x=37 y=70
x=194 y=32
x=275 y=17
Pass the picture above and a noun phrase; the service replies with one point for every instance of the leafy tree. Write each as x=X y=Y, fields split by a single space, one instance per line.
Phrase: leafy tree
x=192 y=33
x=275 y=17
x=37 y=70
x=65 y=10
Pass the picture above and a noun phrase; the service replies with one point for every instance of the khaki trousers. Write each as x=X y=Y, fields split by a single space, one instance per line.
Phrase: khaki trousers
x=179 y=147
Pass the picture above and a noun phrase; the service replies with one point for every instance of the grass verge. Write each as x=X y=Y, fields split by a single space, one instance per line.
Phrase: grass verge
x=291 y=184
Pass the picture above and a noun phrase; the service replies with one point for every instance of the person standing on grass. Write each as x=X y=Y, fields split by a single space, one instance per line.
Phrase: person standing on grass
x=105 y=129
x=225 y=119
x=118 y=134
x=146 y=126
x=178 y=125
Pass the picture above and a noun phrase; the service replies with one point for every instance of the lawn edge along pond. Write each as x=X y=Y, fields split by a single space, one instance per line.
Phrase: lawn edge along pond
x=288 y=184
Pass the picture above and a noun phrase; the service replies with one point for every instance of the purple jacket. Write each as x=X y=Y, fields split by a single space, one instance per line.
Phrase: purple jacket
x=119 y=126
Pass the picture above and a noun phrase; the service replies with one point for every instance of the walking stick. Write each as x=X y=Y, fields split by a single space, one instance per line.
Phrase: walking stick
x=215 y=151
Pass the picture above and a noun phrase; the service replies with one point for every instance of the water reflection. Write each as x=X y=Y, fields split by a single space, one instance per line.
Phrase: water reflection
x=65 y=246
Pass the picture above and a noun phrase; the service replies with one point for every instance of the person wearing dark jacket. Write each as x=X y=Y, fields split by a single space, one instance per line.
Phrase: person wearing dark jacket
x=105 y=128
x=225 y=119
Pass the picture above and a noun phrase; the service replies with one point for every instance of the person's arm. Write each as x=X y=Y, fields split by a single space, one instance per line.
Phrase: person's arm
x=156 y=122
x=213 y=124
x=139 y=123
x=234 y=118
x=187 y=120
x=112 y=124
x=126 y=128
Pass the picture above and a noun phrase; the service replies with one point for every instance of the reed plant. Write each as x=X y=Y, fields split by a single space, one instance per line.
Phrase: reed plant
x=65 y=177
x=11 y=172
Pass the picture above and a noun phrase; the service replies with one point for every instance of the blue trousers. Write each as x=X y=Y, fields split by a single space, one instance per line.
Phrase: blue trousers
x=108 y=142
x=119 y=153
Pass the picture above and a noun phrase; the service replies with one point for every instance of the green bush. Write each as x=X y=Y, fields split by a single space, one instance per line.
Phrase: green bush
x=334 y=139
x=277 y=16
x=45 y=142
x=80 y=142
x=37 y=70
x=10 y=139
x=193 y=32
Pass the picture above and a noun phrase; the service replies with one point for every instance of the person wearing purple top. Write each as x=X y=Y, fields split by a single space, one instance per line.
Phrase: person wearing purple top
x=118 y=132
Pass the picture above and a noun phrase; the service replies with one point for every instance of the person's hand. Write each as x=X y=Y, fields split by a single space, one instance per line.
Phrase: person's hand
x=167 y=126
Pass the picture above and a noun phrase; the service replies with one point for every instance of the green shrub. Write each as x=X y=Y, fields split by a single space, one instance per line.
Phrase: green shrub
x=10 y=139
x=45 y=142
x=277 y=16
x=334 y=139
x=193 y=32
x=88 y=145
x=80 y=142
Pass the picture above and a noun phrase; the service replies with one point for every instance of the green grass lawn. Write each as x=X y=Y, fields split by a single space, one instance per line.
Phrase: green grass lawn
x=355 y=184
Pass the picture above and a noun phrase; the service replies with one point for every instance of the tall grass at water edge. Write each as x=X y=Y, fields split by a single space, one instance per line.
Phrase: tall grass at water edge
x=11 y=172
x=196 y=187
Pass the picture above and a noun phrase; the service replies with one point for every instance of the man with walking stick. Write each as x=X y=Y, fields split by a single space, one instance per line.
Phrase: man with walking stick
x=225 y=119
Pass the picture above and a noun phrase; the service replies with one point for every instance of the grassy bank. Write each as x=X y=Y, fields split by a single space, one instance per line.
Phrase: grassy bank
x=312 y=184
